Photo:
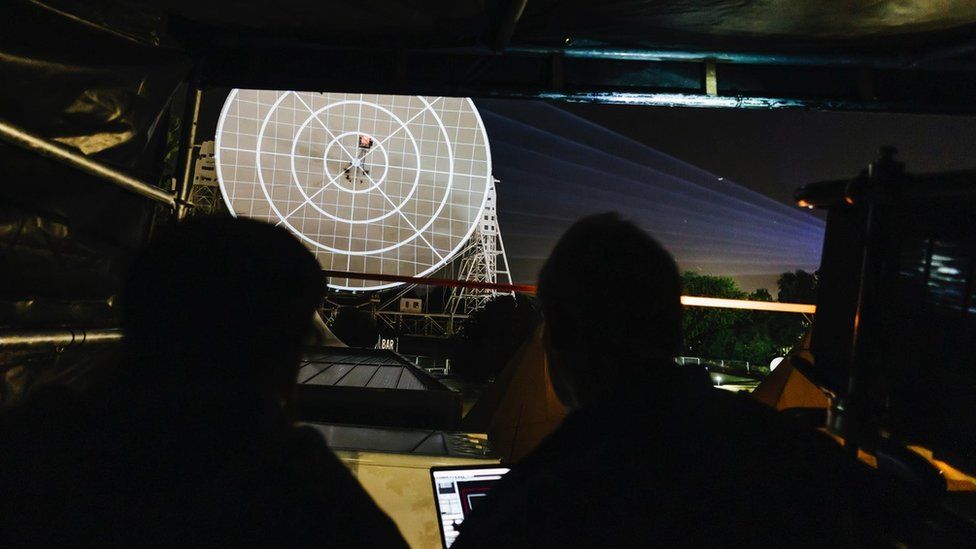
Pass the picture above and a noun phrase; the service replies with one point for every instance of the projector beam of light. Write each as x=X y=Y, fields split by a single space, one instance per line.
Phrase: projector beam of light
x=542 y=246
x=774 y=245
x=686 y=300
x=673 y=200
x=587 y=133
x=608 y=159
x=705 y=215
x=651 y=180
x=688 y=263
x=552 y=179
x=689 y=228
x=556 y=168
x=684 y=242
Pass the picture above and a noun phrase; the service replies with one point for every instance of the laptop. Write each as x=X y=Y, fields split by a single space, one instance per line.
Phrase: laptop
x=458 y=491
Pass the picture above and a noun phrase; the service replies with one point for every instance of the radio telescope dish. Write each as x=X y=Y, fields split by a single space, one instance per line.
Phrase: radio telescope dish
x=384 y=184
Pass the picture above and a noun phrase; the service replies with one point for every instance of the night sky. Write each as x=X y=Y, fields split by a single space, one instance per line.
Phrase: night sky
x=686 y=176
x=774 y=151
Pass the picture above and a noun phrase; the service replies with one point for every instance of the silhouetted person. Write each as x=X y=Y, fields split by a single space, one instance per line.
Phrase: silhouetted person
x=189 y=440
x=651 y=454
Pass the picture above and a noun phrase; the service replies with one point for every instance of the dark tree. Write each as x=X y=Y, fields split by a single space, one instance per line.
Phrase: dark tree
x=753 y=336
x=797 y=287
x=710 y=333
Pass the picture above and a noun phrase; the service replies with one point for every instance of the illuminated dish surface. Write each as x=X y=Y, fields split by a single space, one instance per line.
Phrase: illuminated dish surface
x=384 y=184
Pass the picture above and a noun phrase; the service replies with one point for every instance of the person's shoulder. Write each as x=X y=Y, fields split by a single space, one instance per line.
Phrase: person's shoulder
x=542 y=491
x=303 y=440
x=299 y=455
x=583 y=437
x=327 y=500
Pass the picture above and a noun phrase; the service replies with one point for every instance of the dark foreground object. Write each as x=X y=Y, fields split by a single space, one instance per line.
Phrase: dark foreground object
x=190 y=439
x=683 y=465
x=76 y=474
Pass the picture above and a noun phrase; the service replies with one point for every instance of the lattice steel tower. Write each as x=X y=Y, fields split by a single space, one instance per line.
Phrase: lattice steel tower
x=205 y=195
x=483 y=260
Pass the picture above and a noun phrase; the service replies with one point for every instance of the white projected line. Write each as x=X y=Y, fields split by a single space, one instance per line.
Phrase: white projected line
x=313 y=195
x=326 y=128
x=399 y=211
x=404 y=125
x=288 y=155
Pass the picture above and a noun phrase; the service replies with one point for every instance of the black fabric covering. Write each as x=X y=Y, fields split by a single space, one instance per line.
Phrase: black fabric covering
x=795 y=24
x=92 y=89
x=66 y=236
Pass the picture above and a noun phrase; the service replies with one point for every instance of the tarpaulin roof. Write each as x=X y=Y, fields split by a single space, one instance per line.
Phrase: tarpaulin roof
x=795 y=23
x=96 y=75
x=375 y=369
x=798 y=24
x=576 y=50
x=372 y=387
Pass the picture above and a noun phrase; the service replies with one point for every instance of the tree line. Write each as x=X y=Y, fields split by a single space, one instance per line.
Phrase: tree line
x=753 y=336
x=492 y=335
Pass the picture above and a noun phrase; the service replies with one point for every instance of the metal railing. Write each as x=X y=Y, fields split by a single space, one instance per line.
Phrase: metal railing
x=19 y=137
x=725 y=365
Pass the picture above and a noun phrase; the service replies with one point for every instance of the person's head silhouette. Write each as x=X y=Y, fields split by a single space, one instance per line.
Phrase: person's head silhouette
x=219 y=306
x=611 y=298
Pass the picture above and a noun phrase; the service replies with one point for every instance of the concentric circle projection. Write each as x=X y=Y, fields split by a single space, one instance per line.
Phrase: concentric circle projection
x=383 y=184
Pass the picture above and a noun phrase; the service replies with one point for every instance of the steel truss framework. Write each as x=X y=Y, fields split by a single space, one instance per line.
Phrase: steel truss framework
x=483 y=260
x=205 y=193
x=423 y=324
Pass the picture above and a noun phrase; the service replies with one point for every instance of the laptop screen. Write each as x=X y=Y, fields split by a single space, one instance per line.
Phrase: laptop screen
x=459 y=490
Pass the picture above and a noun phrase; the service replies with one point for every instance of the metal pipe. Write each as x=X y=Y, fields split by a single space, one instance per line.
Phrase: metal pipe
x=59 y=338
x=19 y=137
